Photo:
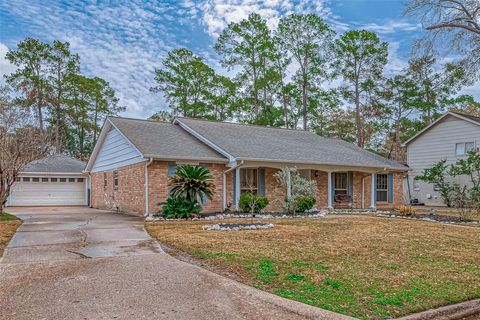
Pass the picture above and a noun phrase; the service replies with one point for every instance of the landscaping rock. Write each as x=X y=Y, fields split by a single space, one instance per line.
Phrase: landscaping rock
x=237 y=227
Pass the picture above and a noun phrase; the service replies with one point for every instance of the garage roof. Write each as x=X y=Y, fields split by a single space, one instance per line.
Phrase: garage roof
x=55 y=164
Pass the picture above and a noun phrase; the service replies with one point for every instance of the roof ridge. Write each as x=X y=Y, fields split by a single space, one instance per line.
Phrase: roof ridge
x=136 y=119
x=243 y=124
x=461 y=113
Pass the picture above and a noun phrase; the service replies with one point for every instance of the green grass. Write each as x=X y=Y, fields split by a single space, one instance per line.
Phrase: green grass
x=366 y=267
x=7 y=217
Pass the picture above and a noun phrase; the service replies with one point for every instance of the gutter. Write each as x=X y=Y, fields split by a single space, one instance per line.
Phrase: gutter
x=147 y=209
x=225 y=183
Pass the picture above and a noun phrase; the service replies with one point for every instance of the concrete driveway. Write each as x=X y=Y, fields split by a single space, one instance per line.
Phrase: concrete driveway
x=80 y=263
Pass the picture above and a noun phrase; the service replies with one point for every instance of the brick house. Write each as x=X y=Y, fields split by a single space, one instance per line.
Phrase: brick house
x=132 y=160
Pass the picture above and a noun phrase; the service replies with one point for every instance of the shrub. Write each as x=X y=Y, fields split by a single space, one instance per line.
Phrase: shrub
x=405 y=210
x=180 y=208
x=305 y=203
x=192 y=183
x=252 y=203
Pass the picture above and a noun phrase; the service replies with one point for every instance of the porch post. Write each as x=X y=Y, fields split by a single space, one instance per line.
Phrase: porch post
x=373 y=192
x=237 y=187
x=330 y=191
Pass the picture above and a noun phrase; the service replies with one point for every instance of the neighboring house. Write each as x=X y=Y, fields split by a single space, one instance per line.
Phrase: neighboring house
x=51 y=181
x=450 y=137
x=133 y=159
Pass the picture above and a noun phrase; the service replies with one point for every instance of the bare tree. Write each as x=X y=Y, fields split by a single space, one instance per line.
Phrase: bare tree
x=453 y=24
x=20 y=143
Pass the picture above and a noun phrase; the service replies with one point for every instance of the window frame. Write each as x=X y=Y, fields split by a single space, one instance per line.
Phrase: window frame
x=342 y=191
x=246 y=188
x=53 y=180
x=382 y=190
x=115 y=180
x=465 y=151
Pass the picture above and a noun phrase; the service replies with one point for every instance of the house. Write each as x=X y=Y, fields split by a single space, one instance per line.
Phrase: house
x=450 y=137
x=132 y=160
x=54 y=180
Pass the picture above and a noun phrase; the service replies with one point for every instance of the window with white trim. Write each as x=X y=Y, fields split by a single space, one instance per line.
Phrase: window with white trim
x=340 y=183
x=115 y=180
x=249 y=180
x=463 y=148
x=382 y=187
x=416 y=185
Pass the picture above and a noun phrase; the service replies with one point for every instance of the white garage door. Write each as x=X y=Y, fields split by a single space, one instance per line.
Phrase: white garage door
x=48 y=191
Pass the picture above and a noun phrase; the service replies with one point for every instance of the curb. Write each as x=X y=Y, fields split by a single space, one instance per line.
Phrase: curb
x=452 y=312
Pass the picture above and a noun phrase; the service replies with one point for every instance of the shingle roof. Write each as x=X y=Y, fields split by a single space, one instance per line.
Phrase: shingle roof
x=246 y=142
x=55 y=163
x=466 y=115
x=164 y=140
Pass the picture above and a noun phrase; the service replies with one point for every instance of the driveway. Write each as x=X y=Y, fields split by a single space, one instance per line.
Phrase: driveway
x=80 y=263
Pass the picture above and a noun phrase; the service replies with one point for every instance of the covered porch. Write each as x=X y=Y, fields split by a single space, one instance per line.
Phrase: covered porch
x=338 y=187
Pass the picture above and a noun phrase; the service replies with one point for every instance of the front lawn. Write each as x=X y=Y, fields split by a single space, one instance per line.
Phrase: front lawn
x=8 y=225
x=368 y=267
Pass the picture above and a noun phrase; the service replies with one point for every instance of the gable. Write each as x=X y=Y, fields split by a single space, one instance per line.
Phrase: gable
x=115 y=152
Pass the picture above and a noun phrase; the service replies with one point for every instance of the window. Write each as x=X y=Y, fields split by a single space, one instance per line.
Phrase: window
x=382 y=187
x=79 y=179
x=304 y=173
x=17 y=179
x=340 y=183
x=105 y=181
x=63 y=179
x=44 y=179
x=416 y=185
x=26 y=179
x=249 y=180
x=71 y=179
x=462 y=148
x=115 y=180
x=35 y=179
x=53 y=179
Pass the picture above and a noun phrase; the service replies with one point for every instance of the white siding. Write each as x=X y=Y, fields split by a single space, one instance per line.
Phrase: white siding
x=434 y=145
x=115 y=152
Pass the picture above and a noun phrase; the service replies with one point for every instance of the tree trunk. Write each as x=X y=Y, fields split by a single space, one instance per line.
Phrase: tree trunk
x=304 y=92
x=358 y=120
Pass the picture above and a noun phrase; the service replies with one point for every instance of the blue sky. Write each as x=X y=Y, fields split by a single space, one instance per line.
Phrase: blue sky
x=124 y=41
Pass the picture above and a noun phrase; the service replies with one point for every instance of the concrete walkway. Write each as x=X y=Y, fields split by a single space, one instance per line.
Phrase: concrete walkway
x=80 y=263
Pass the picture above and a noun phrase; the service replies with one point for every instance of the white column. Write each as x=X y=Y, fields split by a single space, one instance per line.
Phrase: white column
x=237 y=187
x=289 y=185
x=329 y=191
x=373 y=192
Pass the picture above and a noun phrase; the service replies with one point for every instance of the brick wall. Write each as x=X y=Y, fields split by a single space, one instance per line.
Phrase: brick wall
x=128 y=197
x=273 y=191
x=158 y=186
x=322 y=184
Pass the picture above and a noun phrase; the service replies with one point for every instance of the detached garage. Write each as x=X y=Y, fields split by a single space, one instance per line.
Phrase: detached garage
x=52 y=181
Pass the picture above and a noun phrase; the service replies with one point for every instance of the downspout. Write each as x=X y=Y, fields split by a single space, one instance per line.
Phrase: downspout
x=147 y=209
x=225 y=183
x=89 y=190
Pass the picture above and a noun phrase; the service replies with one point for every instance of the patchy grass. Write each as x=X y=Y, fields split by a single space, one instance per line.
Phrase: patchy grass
x=368 y=267
x=8 y=225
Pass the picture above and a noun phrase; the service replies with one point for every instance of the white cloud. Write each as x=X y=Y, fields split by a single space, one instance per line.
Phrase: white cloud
x=392 y=26
x=122 y=43
x=5 y=66
x=216 y=15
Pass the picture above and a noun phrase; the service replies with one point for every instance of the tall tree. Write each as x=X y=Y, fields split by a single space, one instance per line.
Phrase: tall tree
x=453 y=25
x=436 y=84
x=185 y=82
x=360 y=57
x=30 y=78
x=105 y=103
x=61 y=65
x=248 y=45
x=306 y=39
x=402 y=98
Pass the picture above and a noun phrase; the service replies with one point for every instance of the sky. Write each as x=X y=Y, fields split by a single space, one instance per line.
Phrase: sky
x=125 y=41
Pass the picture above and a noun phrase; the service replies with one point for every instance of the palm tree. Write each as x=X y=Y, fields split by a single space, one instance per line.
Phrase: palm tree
x=192 y=183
